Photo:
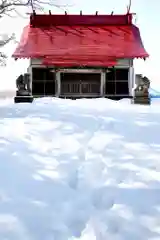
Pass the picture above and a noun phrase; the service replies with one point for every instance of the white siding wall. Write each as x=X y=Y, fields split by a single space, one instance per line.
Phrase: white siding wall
x=121 y=63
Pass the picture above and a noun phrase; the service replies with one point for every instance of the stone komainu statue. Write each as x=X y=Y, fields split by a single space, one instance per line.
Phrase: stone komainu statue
x=23 y=93
x=23 y=85
x=19 y=82
x=141 y=92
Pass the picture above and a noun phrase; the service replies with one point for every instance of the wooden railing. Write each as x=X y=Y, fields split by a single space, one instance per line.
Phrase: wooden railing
x=80 y=88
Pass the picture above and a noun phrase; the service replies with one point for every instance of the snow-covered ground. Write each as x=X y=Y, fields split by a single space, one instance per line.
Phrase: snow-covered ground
x=85 y=169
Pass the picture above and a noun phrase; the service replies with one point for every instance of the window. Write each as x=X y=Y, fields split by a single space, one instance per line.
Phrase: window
x=116 y=82
x=43 y=82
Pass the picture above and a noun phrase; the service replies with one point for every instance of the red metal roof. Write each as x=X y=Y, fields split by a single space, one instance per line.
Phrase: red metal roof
x=80 y=39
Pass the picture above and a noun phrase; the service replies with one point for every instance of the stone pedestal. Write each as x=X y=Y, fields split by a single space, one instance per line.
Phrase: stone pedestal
x=142 y=100
x=23 y=99
x=22 y=96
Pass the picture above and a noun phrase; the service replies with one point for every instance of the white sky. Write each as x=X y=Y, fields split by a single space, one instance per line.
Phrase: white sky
x=147 y=20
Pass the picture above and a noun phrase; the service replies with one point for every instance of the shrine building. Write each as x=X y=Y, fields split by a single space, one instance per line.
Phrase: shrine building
x=75 y=56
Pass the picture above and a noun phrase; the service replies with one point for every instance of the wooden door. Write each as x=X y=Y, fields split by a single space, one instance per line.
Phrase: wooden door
x=80 y=84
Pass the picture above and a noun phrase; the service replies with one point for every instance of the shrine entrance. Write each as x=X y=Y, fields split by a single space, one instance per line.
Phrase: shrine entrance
x=80 y=84
x=112 y=83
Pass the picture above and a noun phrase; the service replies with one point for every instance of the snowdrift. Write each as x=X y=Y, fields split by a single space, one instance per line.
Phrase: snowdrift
x=85 y=169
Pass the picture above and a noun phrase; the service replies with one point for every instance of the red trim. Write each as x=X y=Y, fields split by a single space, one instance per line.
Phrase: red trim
x=80 y=62
x=75 y=20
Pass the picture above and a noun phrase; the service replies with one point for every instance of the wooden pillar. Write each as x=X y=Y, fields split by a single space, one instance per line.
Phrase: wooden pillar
x=58 y=83
x=131 y=78
x=31 y=75
x=102 y=84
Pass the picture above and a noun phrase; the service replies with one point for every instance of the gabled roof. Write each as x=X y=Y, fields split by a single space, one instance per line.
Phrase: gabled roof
x=97 y=40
